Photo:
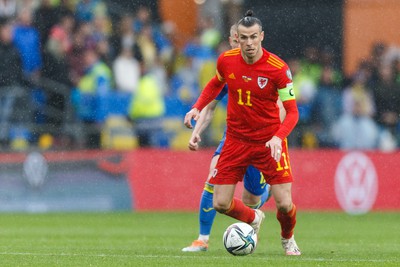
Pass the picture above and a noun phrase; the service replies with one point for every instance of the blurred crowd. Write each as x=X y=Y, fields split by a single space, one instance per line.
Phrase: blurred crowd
x=125 y=78
x=360 y=111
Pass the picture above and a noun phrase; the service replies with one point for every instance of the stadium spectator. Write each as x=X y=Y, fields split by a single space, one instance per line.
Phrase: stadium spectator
x=64 y=7
x=375 y=62
x=98 y=76
x=94 y=85
x=102 y=31
x=126 y=68
x=147 y=109
x=55 y=64
x=310 y=64
x=147 y=46
x=305 y=89
x=356 y=129
x=8 y=9
x=124 y=34
x=27 y=40
x=44 y=18
x=10 y=79
x=210 y=36
x=60 y=35
x=387 y=97
x=184 y=83
x=143 y=17
x=306 y=76
x=81 y=41
x=10 y=63
x=327 y=107
x=328 y=59
x=104 y=51
x=87 y=10
x=155 y=32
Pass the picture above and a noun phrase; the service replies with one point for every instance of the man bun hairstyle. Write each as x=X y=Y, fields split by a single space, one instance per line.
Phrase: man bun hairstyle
x=249 y=20
x=249 y=13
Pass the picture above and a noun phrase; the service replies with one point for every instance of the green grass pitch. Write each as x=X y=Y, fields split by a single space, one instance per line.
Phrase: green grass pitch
x=156 y=239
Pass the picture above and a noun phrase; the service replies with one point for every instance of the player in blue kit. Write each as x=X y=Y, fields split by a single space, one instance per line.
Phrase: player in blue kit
x=256 y=192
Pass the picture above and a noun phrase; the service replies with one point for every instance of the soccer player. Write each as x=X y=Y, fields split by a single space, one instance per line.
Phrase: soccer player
x=255 y=135
x=256 y=192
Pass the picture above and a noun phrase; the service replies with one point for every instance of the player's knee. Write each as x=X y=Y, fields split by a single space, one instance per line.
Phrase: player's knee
x=251 y=201
x=284 y=205
x=221 y=206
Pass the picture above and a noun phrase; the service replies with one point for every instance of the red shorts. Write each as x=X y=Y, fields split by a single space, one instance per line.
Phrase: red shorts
x=236 y=156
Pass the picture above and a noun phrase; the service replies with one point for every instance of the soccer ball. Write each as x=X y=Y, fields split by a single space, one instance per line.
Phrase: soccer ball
x=240 y=239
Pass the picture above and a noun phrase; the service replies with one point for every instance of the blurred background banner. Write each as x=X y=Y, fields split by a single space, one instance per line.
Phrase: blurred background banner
x=61 y=182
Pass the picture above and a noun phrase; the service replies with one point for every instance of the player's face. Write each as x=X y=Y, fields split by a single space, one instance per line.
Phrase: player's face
x=250 y=39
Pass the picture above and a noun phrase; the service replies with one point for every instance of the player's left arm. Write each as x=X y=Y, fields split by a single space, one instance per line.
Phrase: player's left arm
x=292 y=113
x=282 y=111
x=286 y=95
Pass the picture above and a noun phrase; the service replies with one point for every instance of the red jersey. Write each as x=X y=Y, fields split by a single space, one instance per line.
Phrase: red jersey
x=252 y=113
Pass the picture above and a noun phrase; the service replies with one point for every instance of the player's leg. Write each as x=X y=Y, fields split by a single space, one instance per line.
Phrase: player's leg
x=206 y=213
x=279 y=176
x=225 y=203
x=231 y=169
x=256 y=191
x=286 y=215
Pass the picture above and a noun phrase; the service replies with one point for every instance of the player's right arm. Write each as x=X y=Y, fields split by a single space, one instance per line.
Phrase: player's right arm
x=202 y=123
x=210 y=92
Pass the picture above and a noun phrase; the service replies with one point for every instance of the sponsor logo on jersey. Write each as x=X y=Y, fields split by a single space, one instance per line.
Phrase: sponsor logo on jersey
x=262 y=82
x=246 y=79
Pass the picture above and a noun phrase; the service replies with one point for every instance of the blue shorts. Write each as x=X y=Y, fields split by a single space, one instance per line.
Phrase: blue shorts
x=253 y=180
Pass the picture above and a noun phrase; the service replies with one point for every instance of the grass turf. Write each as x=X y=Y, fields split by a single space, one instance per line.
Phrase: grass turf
x=156 y=239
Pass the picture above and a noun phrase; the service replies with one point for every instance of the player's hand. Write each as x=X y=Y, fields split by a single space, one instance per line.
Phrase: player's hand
x=194 y=113
x=275 y=144
x=194 y=142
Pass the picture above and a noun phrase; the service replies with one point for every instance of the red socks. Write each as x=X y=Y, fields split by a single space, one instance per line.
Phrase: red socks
x=243 y=213
x=240 y=211
x=287 y=221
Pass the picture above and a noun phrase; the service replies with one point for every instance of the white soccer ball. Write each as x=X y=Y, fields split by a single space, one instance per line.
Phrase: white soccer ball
x=240 y=239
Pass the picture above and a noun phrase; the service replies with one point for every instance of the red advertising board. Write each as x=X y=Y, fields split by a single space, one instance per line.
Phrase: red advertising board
x=324 y=179
x=163 y=180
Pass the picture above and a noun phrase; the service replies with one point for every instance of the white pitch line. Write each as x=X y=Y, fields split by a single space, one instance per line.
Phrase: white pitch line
x=301 y=259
